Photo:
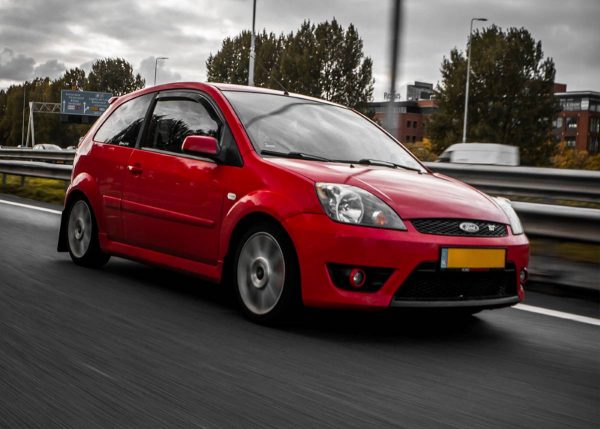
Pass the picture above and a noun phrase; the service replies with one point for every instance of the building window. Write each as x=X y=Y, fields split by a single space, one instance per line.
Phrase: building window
x=558 y=123
x=570 y=142
x=571 y=104
x=571 y=123
x=407 y=124
x=414 y=139
x=595 y=125
x=593 y=145
x=585 y=104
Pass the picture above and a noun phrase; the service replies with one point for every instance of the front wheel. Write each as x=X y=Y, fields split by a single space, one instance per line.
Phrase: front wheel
x=82 y=237
x=266 y=274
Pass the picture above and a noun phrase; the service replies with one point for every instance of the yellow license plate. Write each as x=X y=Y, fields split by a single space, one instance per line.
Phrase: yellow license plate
x=473 y=258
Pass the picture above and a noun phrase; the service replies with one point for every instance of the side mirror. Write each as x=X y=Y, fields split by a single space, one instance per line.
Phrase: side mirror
x=201 y=145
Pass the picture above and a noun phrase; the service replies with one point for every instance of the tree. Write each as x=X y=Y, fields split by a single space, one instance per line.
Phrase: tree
x=108 y=75
x=74 y=79
x=230 y=64
x=114 y=75
x=567 y=157
x=511 y=98
x=321 y=61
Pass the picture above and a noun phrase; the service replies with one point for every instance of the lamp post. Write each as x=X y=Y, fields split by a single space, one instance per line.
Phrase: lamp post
x=464 y=136
x=156 y=64
x=252 y=41
x=23 y=122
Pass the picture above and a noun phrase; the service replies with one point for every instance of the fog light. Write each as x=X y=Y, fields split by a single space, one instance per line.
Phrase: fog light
x=357 y=278
x=523 y=276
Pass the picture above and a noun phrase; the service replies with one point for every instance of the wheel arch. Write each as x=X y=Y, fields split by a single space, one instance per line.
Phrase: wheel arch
x=82 y=187
x=242 y=226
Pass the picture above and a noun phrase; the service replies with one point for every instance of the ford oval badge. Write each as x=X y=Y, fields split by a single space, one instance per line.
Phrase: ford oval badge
x=469 y=227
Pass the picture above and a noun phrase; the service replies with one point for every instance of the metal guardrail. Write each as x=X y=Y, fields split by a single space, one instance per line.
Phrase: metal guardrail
x=550 y=183
x=559 y=222
x=542 y=220
x=65 y=156
x=44 y=170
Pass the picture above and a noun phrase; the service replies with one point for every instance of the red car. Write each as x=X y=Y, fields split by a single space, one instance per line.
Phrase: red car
x=291 y=199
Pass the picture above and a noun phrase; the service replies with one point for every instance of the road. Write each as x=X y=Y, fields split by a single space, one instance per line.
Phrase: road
x=137 y=346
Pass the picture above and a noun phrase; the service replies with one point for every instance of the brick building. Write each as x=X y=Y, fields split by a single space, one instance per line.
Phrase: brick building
x=412 y=113
x=578 y=123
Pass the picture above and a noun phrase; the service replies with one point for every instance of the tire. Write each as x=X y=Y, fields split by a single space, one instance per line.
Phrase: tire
x=266 y=276
x=82 y=236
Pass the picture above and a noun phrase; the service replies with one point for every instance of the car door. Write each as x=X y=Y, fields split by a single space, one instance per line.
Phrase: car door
x=113 y=144
x=172 y=201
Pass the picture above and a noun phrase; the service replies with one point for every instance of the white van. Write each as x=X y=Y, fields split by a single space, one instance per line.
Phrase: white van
x=481 y=153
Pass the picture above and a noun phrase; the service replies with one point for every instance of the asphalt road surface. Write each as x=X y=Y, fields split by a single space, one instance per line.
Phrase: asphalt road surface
x=137 y=346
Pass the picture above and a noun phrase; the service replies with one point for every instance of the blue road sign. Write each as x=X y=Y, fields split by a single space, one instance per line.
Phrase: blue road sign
x=85 y=103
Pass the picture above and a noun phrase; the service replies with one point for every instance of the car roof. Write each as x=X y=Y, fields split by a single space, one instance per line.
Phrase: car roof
x=223 y=87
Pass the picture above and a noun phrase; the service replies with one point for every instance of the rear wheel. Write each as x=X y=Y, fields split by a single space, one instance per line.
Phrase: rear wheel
x=82 y=237
x=266 y=274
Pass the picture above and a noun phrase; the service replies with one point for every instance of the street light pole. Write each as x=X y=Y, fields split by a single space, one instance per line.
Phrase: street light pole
x=252 y=47
x=464 y=136
x=156 y=64
x=23 y=123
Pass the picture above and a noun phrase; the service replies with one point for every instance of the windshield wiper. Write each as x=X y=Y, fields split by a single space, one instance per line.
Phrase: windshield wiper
x=298 y=155
x=366 y=161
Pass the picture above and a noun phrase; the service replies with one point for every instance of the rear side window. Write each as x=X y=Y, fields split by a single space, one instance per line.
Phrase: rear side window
x=124 y=124
x=175 y=119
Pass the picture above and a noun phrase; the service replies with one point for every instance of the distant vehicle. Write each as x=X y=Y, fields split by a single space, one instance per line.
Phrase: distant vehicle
x=71 y=147
x=46 y=146
x=481 y=153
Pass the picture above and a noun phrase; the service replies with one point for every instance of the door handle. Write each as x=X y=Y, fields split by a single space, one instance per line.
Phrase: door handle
x=136 y=169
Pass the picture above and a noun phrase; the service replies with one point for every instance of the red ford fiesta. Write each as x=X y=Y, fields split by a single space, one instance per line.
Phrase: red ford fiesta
x=294 y=199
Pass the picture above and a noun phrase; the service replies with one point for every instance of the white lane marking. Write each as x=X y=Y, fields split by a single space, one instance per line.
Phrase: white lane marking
x=559 y=314
x=96 y=370
x=41 y=209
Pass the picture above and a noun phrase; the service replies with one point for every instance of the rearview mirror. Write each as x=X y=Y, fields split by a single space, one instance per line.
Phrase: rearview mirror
x=200 y=145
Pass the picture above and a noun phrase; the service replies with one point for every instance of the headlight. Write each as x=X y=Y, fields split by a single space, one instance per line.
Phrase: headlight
x=349 y=204
x=515 y=223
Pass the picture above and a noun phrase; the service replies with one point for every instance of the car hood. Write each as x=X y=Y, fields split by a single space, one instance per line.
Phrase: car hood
x=410 y=194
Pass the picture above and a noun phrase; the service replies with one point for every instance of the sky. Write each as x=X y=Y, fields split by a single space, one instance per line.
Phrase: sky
x=41 y=38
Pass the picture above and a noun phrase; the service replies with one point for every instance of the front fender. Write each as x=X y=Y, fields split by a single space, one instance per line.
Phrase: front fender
x=274 y=204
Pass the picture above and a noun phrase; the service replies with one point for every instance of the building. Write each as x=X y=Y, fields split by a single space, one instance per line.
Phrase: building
x=419 y=91
x=578 y=123
x=412 y=113
x=411 y=117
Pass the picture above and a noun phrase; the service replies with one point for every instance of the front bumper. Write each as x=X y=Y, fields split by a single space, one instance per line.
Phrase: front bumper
x=471 y=303
x=319 y=241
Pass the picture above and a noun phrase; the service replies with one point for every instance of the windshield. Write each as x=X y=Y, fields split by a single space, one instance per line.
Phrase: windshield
x=314 y=130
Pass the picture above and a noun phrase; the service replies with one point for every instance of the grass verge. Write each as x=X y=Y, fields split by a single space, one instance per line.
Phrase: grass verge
x=46 y=190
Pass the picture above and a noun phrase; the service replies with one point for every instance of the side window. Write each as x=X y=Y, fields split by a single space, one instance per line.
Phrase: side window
x=123 y=125
x=175 y=119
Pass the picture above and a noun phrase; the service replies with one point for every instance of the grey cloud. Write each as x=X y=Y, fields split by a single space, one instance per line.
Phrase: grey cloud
x=163 y=73
x=15 y=67
x=51 y=68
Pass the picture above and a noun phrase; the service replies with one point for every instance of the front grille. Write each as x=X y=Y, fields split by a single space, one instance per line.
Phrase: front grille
x=427 y=282
x=452 y=227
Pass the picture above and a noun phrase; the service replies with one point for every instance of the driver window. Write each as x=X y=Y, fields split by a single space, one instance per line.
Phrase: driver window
x=175 y=119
